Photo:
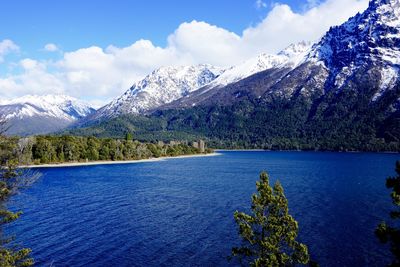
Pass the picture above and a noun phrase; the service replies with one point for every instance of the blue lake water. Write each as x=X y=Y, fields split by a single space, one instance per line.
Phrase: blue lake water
x=179 y=212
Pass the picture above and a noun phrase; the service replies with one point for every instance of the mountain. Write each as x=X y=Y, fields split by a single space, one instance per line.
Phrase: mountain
x=162 y=86
x=168 y=84
x=42 y=114
x=233 y=83
x=370 y=40
x=343 y=93
x=287 y=58
x=367 y=45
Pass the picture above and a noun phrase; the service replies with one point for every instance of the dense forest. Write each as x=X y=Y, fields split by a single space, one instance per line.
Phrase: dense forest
x=338 y=122
x=58 y=149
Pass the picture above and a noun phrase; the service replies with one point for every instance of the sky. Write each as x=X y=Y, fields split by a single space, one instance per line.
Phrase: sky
x=96 y=49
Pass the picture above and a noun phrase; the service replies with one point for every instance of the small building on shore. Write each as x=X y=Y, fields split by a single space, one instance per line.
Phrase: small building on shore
x=200 y=145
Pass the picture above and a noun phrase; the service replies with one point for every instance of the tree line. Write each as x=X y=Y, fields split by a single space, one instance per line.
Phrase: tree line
x=59 y=149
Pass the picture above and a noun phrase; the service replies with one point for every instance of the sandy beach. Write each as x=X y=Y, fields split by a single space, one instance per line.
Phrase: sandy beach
x=109 y=162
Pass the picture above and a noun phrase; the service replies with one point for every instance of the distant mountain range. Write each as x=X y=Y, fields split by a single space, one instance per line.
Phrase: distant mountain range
x=340 y=93
x=42 y=114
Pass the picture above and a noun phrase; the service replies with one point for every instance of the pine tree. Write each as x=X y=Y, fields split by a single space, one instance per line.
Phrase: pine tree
x=390 y=234
x=269 y=233
x=129 y=137
x=11 y=180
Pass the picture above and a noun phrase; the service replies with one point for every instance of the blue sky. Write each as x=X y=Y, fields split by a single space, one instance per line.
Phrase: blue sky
x=95 y=50
x=73 y=24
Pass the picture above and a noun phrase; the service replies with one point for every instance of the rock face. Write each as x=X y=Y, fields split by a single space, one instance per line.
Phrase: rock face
x=287 y=58
x=370 y=40
x=162 y=86
x=247 y=80
x=42 y=114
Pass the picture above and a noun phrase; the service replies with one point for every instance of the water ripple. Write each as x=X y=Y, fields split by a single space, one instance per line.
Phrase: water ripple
x=179 y=212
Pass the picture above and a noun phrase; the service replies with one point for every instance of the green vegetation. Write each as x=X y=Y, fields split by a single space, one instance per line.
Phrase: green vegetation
x=145 y=129
x=269 y=234
x=58 y=149
x=391 y=234
x=11 y=181
x=346 y=121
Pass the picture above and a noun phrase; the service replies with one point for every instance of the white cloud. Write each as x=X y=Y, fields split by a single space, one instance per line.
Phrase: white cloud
x=260 y=4
x=97 y=74
x=30 y=64
x=35 y=79
x=6 y=47
x=50 y=47
x=283 y=26
x=200 y=42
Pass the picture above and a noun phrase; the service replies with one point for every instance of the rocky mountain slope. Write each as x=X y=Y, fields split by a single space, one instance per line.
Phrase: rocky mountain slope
x=368 y=44
x=236 y=82
x=162 y=86
x=42 y=114
x=287 y=58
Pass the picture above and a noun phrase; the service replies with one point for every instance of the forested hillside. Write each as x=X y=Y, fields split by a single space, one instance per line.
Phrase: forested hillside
x=343 y=122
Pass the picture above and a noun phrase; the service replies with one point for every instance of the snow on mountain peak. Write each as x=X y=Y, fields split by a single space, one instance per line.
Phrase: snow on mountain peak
x=388 y=11
x=162 y=86
x=289 y=57
x=294 y=50
x=167 y=84
x=57 y=106
x=373 y=35
x=368 y=39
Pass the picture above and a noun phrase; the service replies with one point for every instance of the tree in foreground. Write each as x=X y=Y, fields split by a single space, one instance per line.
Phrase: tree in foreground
x=391 y=234
x=11 y=180
x=269 y=233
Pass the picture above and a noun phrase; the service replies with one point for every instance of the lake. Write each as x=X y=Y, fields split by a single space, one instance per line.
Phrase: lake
x=179 y=212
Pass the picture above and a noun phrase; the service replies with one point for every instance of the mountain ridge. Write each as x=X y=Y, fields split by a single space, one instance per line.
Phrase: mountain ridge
x=34 y=114
x=162 y=86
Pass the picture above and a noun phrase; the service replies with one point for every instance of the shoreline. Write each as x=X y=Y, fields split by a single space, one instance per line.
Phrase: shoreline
x=323 y=151
x=239 y=150
x=110 y=162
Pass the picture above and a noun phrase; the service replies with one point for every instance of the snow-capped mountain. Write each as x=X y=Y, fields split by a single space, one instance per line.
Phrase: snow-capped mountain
x=162 y=86
x=57 y=106
x=224 y=89
x=371 y=38
x=42 y=114
x=364 y=51
x=287 y=58
x=168 y=84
